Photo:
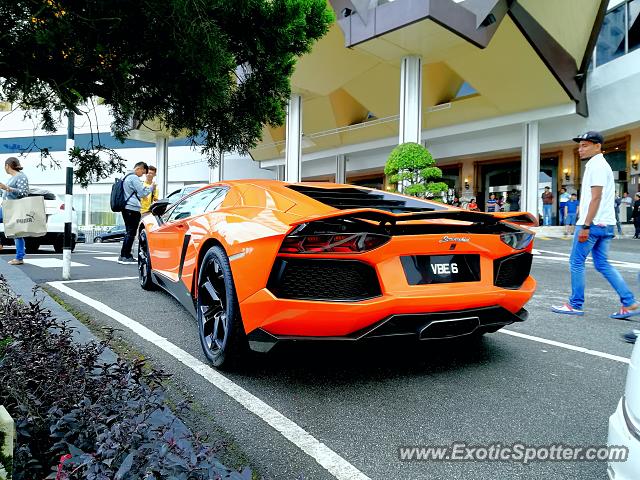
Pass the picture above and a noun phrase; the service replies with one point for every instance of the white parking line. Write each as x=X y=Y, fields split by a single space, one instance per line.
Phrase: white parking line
x=92 y=280
x=48 y=262
x=595 y=353
x=553 y=253
x=564 y=257
x=327 y=458
x=113 y=258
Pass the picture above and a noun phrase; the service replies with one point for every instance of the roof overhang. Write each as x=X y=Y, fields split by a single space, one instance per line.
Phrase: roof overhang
x=519 y=56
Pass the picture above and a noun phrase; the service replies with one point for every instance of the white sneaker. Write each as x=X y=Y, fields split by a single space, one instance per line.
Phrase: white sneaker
x=566 y=309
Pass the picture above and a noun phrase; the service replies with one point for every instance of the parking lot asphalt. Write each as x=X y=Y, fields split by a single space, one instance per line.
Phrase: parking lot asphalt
x=365 y=401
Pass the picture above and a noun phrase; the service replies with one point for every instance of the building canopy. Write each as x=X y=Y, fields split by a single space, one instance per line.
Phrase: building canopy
x=481 y=59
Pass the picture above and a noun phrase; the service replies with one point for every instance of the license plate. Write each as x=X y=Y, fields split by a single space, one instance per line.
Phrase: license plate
x=429 y=269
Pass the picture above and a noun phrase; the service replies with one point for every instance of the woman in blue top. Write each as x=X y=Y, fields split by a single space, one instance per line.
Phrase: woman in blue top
x=16 y=187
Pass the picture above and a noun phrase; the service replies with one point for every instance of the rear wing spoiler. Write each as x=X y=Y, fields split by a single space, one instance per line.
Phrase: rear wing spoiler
x=520 y=218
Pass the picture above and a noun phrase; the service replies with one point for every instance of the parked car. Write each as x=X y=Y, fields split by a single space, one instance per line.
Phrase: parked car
x=115 y=234
x=176 y=195
x=81 y=237
x=56 y=218
x=624 y=424
x=258 y=262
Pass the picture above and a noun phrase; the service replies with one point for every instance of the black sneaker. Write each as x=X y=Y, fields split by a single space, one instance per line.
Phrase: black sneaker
x=127 y=260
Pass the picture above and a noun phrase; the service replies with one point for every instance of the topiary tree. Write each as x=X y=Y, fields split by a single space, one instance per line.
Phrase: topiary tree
x=412 y=167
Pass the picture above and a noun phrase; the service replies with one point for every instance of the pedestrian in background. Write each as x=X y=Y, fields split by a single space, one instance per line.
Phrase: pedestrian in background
x=492 y=203
x=16 y=187
x=502 y=203
x=636 y=215
x=616 y=206
x=572 y=210
x=133 y=192
x=146 y=202
x=564 y=198
x=472 y=205
x=547 y=205
x=595 y=231
x=514 y=201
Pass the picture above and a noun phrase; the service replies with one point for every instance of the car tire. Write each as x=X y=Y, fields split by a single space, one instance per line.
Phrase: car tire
x=58 y=243
x=144 y=263
x=97 y=240
x=220 y=326
x=31 y=245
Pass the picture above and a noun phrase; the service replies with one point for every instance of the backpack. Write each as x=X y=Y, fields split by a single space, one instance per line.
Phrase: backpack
x=118 y=199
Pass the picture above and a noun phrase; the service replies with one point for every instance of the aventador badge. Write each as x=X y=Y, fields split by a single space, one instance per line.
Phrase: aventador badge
x=447 y=239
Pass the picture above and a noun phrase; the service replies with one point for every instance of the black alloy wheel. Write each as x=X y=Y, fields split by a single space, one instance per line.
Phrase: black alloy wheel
x=144 y=263
x=220 y=325
x=97 y=240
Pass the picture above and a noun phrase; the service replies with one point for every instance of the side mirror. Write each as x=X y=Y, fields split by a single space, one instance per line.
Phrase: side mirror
x=160 y=206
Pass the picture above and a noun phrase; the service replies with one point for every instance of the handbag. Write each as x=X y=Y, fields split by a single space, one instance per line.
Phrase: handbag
x=24 y=217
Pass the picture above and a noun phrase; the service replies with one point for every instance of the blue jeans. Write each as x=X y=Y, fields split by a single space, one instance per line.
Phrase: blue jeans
x=18 y=241
x=561 y=213
x=598 y=245
x=546 y=214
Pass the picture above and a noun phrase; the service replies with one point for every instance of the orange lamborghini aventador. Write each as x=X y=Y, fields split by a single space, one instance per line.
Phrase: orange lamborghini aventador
x=262 y=261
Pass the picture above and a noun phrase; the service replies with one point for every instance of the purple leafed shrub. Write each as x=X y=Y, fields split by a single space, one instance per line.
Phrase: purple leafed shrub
x=113 y=418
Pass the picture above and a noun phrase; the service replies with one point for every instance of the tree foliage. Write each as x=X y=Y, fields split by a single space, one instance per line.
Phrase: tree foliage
x=216 y=69
x=413 y=166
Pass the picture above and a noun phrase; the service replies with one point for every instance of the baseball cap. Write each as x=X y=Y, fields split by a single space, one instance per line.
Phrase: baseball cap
x=590 y=136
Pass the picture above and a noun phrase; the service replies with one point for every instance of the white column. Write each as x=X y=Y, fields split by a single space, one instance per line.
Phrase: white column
x=293 y=156
x=410 y=99
x=341 y=168
x=530 y=168
x=68 y=200
x=216 y=174
x=162 y=164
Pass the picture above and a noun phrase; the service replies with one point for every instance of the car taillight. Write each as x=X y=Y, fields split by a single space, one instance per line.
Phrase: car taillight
x=517 y=240
x=333 y=243
x=62 y=208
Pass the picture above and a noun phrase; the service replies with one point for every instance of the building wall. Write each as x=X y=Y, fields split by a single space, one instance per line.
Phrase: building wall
x=186 y=164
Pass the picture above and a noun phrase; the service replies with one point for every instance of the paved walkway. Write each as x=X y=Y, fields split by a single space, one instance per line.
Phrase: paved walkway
x=542 y=233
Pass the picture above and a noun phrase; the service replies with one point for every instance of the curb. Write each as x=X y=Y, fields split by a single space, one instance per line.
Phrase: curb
x=23 y=286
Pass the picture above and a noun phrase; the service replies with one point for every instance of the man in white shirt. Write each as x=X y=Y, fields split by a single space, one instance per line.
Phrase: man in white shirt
x=594 y=230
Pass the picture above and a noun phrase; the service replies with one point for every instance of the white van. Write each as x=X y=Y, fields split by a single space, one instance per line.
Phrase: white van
x=54 y=209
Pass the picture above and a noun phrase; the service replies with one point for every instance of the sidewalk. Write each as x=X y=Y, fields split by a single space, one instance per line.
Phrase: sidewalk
x=558 y=232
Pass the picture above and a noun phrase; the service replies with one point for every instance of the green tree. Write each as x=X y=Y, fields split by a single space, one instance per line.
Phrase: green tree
x=217 y=70
x=412 y=166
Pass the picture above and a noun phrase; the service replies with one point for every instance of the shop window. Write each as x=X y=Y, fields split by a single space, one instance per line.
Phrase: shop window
x=101 y=213
x=80 y=207
x=611 y=41
x=633 y=17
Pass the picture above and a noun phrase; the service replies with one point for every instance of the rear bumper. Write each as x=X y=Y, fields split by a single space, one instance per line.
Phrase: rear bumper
x=421 y=326
x=307 y=318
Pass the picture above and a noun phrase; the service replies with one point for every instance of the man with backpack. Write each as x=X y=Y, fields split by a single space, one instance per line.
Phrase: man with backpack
x=133 y=191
